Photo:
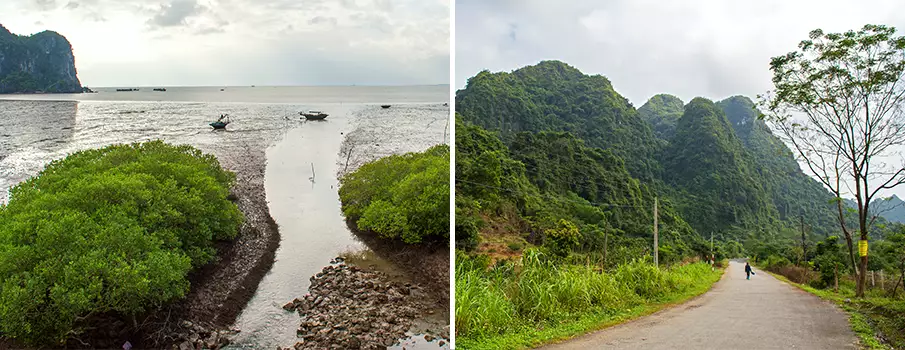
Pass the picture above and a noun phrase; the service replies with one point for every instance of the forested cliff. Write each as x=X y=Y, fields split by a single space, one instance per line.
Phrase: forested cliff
x=42 y=62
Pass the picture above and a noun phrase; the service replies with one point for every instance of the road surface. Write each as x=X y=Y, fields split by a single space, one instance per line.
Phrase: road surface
x=761 y=313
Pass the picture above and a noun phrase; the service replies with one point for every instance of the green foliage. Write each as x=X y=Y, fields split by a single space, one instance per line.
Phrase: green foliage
x=562 y=239
x=553 y=96
x=403 y=197
x=829 y=257
x=663 y=112
x=547 y=177
x=707 y=160
x=108 y=230
x=537 y=291
x=794 y=194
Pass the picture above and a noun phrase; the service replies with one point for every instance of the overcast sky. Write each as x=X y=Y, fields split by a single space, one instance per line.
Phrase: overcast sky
x=709 y=48
x=245 y=42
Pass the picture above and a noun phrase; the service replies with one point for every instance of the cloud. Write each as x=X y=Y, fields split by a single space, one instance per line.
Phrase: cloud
x=245 y=42
x=316 y=20
x=45 y=5
x=709 y=48
x=176 y=13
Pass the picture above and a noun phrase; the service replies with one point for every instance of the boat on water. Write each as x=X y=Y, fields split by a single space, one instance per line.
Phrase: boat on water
x=221 y=122
x=314 y=115
x=160 y=89
x=129 y=89
x=384 y=106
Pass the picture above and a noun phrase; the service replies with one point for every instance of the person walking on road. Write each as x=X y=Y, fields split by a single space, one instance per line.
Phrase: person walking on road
x=748 y=270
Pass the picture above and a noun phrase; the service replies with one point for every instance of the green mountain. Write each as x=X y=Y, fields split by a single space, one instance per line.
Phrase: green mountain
x=708 y=164
x=553 y=96
x=715 y=167
x=42 y=62
x=522 y=191
x=794 y=194
x=662 y=112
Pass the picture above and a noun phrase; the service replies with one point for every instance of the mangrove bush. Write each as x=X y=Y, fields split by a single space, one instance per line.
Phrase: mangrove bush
x=112 y=230
x=403 y=197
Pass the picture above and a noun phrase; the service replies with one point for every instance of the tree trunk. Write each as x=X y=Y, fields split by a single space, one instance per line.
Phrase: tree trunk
x=848 y=237
x=862 y=228
x=836 y=278
x=862 y=278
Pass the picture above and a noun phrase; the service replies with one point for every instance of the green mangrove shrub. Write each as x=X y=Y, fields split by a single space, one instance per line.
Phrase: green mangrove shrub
x=403 y=197
x=111 y=230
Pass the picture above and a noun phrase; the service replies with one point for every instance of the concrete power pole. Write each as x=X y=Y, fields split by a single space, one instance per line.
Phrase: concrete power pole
x=804 y=245
x=656 y=244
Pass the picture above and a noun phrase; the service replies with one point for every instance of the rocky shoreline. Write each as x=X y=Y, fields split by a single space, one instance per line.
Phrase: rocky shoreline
x=351 y=308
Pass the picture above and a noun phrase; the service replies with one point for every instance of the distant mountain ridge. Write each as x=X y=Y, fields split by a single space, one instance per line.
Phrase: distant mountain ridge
x=42 y=62
x=890 y=208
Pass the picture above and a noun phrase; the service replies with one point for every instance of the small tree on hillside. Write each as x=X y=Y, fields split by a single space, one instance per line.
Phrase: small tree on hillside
x=838 y=102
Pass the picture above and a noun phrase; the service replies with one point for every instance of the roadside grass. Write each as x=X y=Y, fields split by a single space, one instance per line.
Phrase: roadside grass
x=536 y=301
x=879 y=322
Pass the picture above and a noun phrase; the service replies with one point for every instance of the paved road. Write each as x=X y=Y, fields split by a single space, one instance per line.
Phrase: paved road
x=761 y=313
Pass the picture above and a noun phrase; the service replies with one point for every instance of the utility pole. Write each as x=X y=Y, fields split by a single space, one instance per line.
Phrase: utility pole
x=656 y=245
x=804 y=247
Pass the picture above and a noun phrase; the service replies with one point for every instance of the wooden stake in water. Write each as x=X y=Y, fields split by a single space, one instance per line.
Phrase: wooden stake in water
x=312 y=174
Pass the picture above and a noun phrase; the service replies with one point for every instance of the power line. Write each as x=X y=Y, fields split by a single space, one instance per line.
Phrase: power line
x=552 y=197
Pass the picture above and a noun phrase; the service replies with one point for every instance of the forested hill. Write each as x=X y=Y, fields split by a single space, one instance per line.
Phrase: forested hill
x=42 y=62
x=662 y=112
x=553 y=96
x=716 y=166
x=717 y=186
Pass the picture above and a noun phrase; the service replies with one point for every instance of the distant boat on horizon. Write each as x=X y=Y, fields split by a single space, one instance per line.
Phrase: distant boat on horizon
x=385 y=106
x=160 y=89
x=127 y=90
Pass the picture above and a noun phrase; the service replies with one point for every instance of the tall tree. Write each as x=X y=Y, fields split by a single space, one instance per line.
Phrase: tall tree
x=838 y=100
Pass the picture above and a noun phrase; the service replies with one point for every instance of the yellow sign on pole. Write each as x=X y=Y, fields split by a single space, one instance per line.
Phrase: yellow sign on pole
x=862 y=247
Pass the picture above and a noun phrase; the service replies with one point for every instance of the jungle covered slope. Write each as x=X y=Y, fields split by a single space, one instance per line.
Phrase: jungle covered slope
x=713 y=165
x=42 y=62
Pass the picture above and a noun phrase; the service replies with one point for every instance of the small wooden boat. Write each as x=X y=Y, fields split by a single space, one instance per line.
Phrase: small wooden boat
x=314 y=115
x=384 y=106
x=221 y=122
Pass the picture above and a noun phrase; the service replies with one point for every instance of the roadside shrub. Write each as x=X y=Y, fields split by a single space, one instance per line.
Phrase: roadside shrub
x=403 y=197
x=774 y=262
x=562 y=239
x=108 y=230
x=539 y=290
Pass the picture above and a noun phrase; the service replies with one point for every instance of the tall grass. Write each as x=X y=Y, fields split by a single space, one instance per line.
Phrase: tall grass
x=537 y=291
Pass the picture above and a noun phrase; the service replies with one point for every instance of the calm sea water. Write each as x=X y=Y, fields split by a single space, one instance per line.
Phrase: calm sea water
x=35 y=129
x=303 y=158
